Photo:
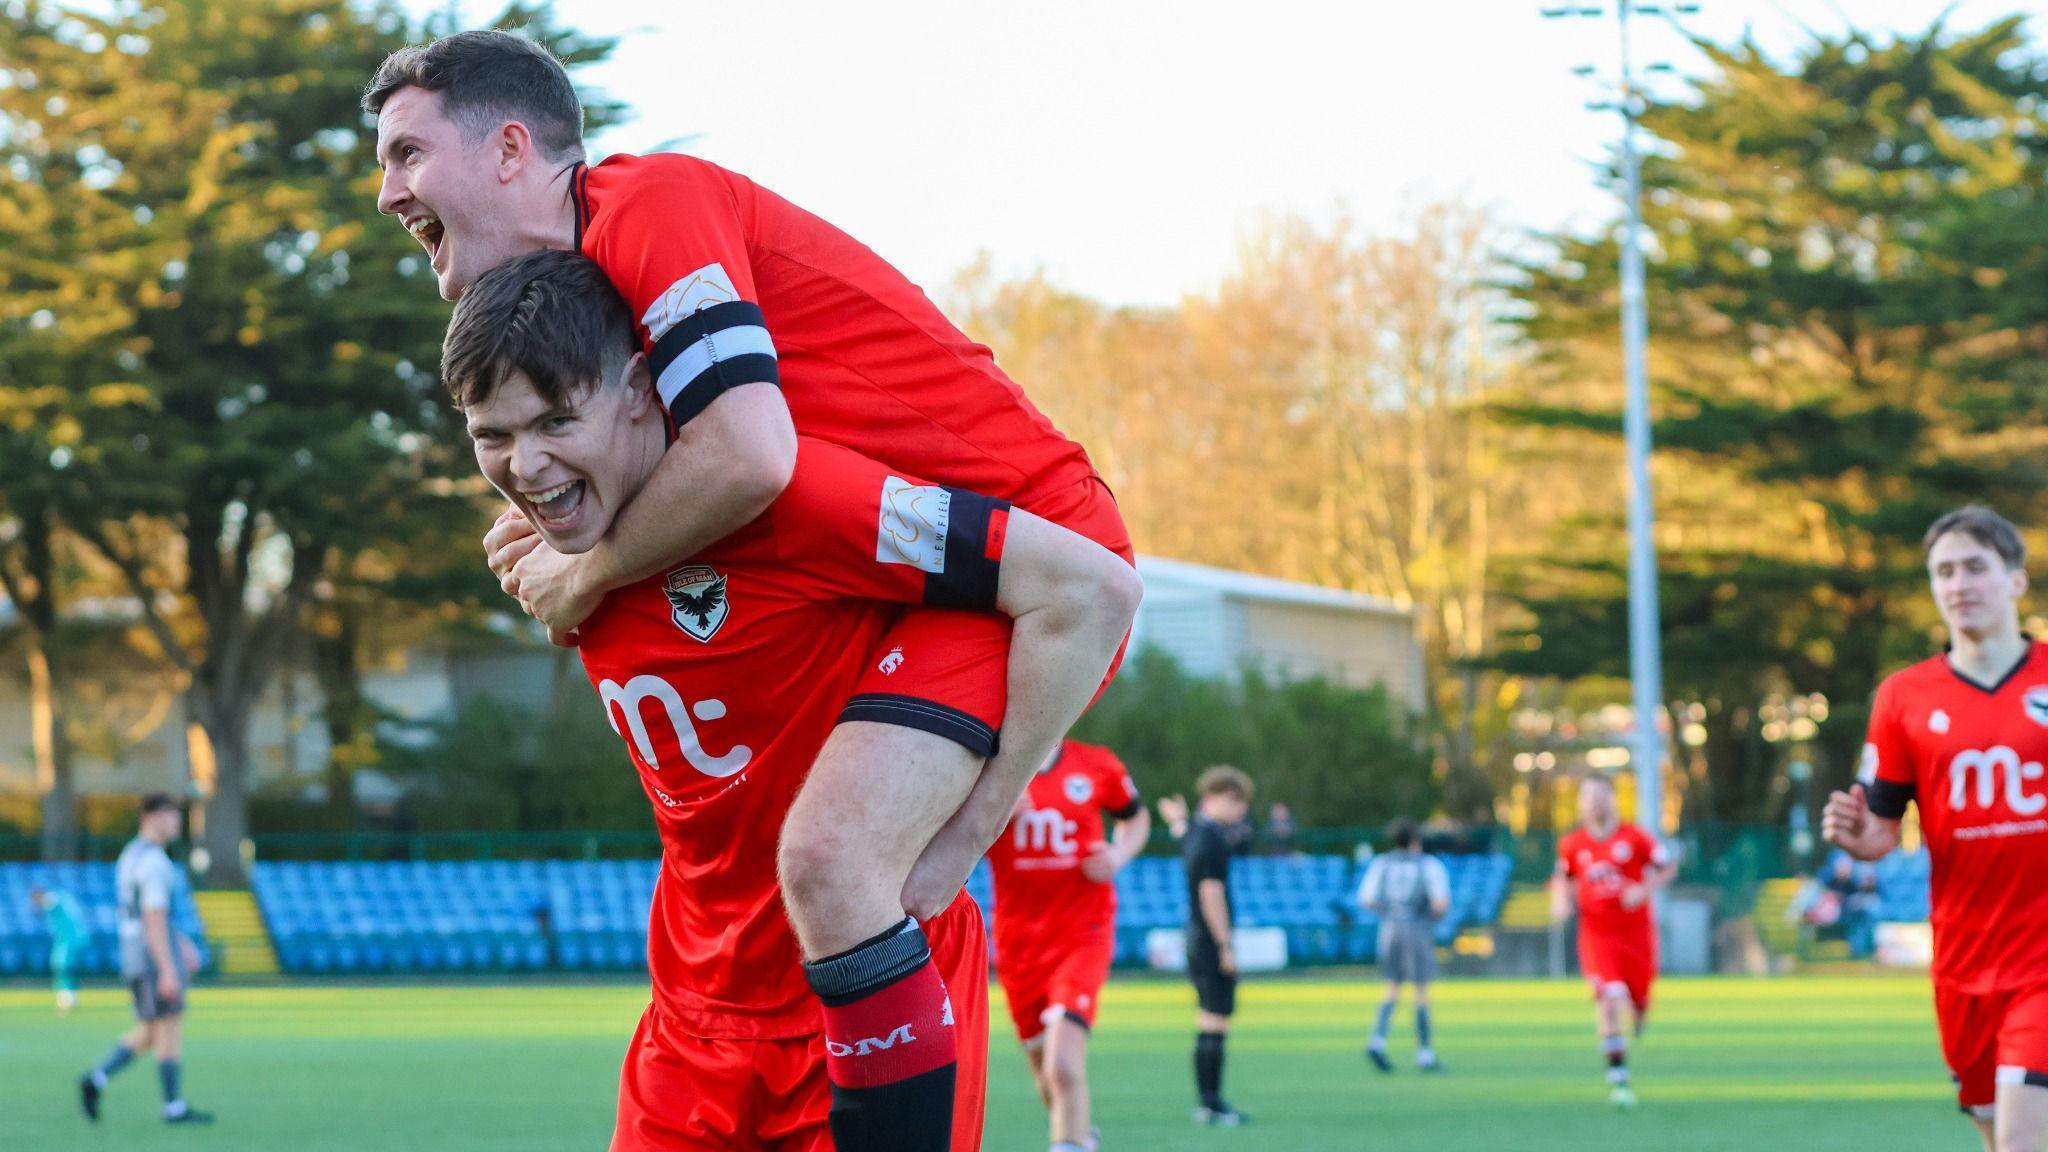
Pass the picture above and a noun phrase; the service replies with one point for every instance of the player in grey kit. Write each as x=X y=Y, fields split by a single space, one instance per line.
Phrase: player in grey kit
x=155 y=960
x=1409 y=891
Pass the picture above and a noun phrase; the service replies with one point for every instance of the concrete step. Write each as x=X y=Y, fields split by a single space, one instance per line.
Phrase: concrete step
x=234 y=922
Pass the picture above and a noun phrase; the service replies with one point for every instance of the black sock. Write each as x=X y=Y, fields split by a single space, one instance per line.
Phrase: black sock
x=113 y=1062
x=889 y=1044
x=1617 y=1057
x=169 y=1072
x=1209 y=1068
x=1422 y=1025
x=1379 y=1027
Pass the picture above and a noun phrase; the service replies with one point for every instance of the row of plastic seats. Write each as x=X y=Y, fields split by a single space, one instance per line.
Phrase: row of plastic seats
x=467 y=952
x=385 y=916
x=25 y=935
x=1903 y=880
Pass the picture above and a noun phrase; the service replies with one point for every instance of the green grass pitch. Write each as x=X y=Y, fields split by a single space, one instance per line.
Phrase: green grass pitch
x=1816 y=1064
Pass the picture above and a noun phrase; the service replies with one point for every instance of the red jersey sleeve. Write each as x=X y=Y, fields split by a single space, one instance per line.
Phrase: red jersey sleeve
x=851 y=528
x=1567 y=855
x=1889 y=770
x=1118 y=791
x=673 y=241
x=1650 y=849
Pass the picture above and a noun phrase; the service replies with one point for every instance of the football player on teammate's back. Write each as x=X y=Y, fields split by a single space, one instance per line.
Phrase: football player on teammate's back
x=761 y=322
x=1962 y=736
x=725 y=675
x=1610 y=870
x=1208 y=841
x=1055 y=919
x=1409 y=891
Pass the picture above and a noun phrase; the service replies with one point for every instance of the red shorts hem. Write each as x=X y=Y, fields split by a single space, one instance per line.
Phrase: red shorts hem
x=946 y=670
x=1993 y=1039
x=1064 y=980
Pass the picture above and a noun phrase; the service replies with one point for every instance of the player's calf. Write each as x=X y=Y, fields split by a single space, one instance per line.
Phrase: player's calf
x=876 y=796
x=874 y=800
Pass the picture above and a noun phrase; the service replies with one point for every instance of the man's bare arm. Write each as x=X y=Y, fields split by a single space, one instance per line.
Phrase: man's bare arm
x=1072 y=601
x=724 y=469
x=1562 y=900
x=1131 y=834
x=1216 y=914
x=1848 y=823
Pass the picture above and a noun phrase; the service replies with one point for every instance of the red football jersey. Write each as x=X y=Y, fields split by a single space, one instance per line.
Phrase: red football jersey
x=1039 y=887
x=724 y=675
x=733 y=285
x=1602 y=869
x=1970 y=756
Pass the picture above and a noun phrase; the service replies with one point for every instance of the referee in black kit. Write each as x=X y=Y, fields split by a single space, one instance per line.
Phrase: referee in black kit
x=1223 y=798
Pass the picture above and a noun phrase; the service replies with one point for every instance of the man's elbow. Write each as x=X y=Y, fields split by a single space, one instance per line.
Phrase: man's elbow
x=762 y=470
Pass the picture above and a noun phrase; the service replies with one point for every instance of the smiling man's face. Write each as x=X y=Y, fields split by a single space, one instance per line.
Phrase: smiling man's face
x=453 y=194
x=568 y=467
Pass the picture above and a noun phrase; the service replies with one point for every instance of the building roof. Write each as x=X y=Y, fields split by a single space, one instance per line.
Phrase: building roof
x=1168 y=577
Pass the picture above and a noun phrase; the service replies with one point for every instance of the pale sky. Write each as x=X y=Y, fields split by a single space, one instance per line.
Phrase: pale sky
x=1124 y=145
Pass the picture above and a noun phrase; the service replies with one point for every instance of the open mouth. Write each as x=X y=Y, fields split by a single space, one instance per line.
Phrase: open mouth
x=429 y=232
x=558 y=506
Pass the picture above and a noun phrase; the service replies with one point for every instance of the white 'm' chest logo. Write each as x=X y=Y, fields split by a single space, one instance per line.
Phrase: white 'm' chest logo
x=628 y=699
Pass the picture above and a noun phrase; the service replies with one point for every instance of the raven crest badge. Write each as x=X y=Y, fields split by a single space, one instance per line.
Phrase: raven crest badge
x=697 y=600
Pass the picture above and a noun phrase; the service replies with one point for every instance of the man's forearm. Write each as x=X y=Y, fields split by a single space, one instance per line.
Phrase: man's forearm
x=1216 y=914
x=1068 y=627
x=1877 y=843
x=1130 y=836
x=724 y=469
x=156 y=936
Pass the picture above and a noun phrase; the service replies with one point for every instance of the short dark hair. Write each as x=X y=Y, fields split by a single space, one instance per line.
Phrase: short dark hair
x=156 y=802
x=550 y=316
x=1224 y=780
x=1404 y=833
x=487 y=76
x=1985 y=527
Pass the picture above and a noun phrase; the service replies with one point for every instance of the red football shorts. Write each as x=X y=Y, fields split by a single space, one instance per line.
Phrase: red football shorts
x=1625 y=959
x=684 y=1093
x=947 y=670
x=1064 y=974
x=1992 y=1039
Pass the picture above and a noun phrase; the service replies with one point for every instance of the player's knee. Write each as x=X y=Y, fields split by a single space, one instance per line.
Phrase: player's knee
x=1066 y=1074
x=816 y=880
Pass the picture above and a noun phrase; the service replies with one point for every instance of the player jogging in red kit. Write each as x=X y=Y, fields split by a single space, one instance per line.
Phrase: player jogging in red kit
x=1962 y=736
x=1055 y=919
x=1610 y=870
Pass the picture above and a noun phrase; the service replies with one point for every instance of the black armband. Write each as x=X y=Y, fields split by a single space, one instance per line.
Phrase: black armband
x=709 y=353
x=1888 y=798
x=976 y=529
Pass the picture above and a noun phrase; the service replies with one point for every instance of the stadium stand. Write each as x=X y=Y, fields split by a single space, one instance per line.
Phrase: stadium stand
x=25 y=940
x=1902 y=880
x=591 y=915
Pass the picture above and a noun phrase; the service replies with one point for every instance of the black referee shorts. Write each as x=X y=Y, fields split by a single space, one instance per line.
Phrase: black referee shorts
x=1215 y=990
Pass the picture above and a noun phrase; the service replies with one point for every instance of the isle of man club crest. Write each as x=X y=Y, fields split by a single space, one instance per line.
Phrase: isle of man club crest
x=1078 y=789
x=697 y=601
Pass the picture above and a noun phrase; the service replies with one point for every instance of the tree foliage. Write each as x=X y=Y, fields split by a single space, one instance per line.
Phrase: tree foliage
x=233 y=383
x=1847 y=332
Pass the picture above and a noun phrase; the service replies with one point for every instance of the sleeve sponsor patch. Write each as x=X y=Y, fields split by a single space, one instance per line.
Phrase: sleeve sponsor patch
x=915 y=519
x=701 y=289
